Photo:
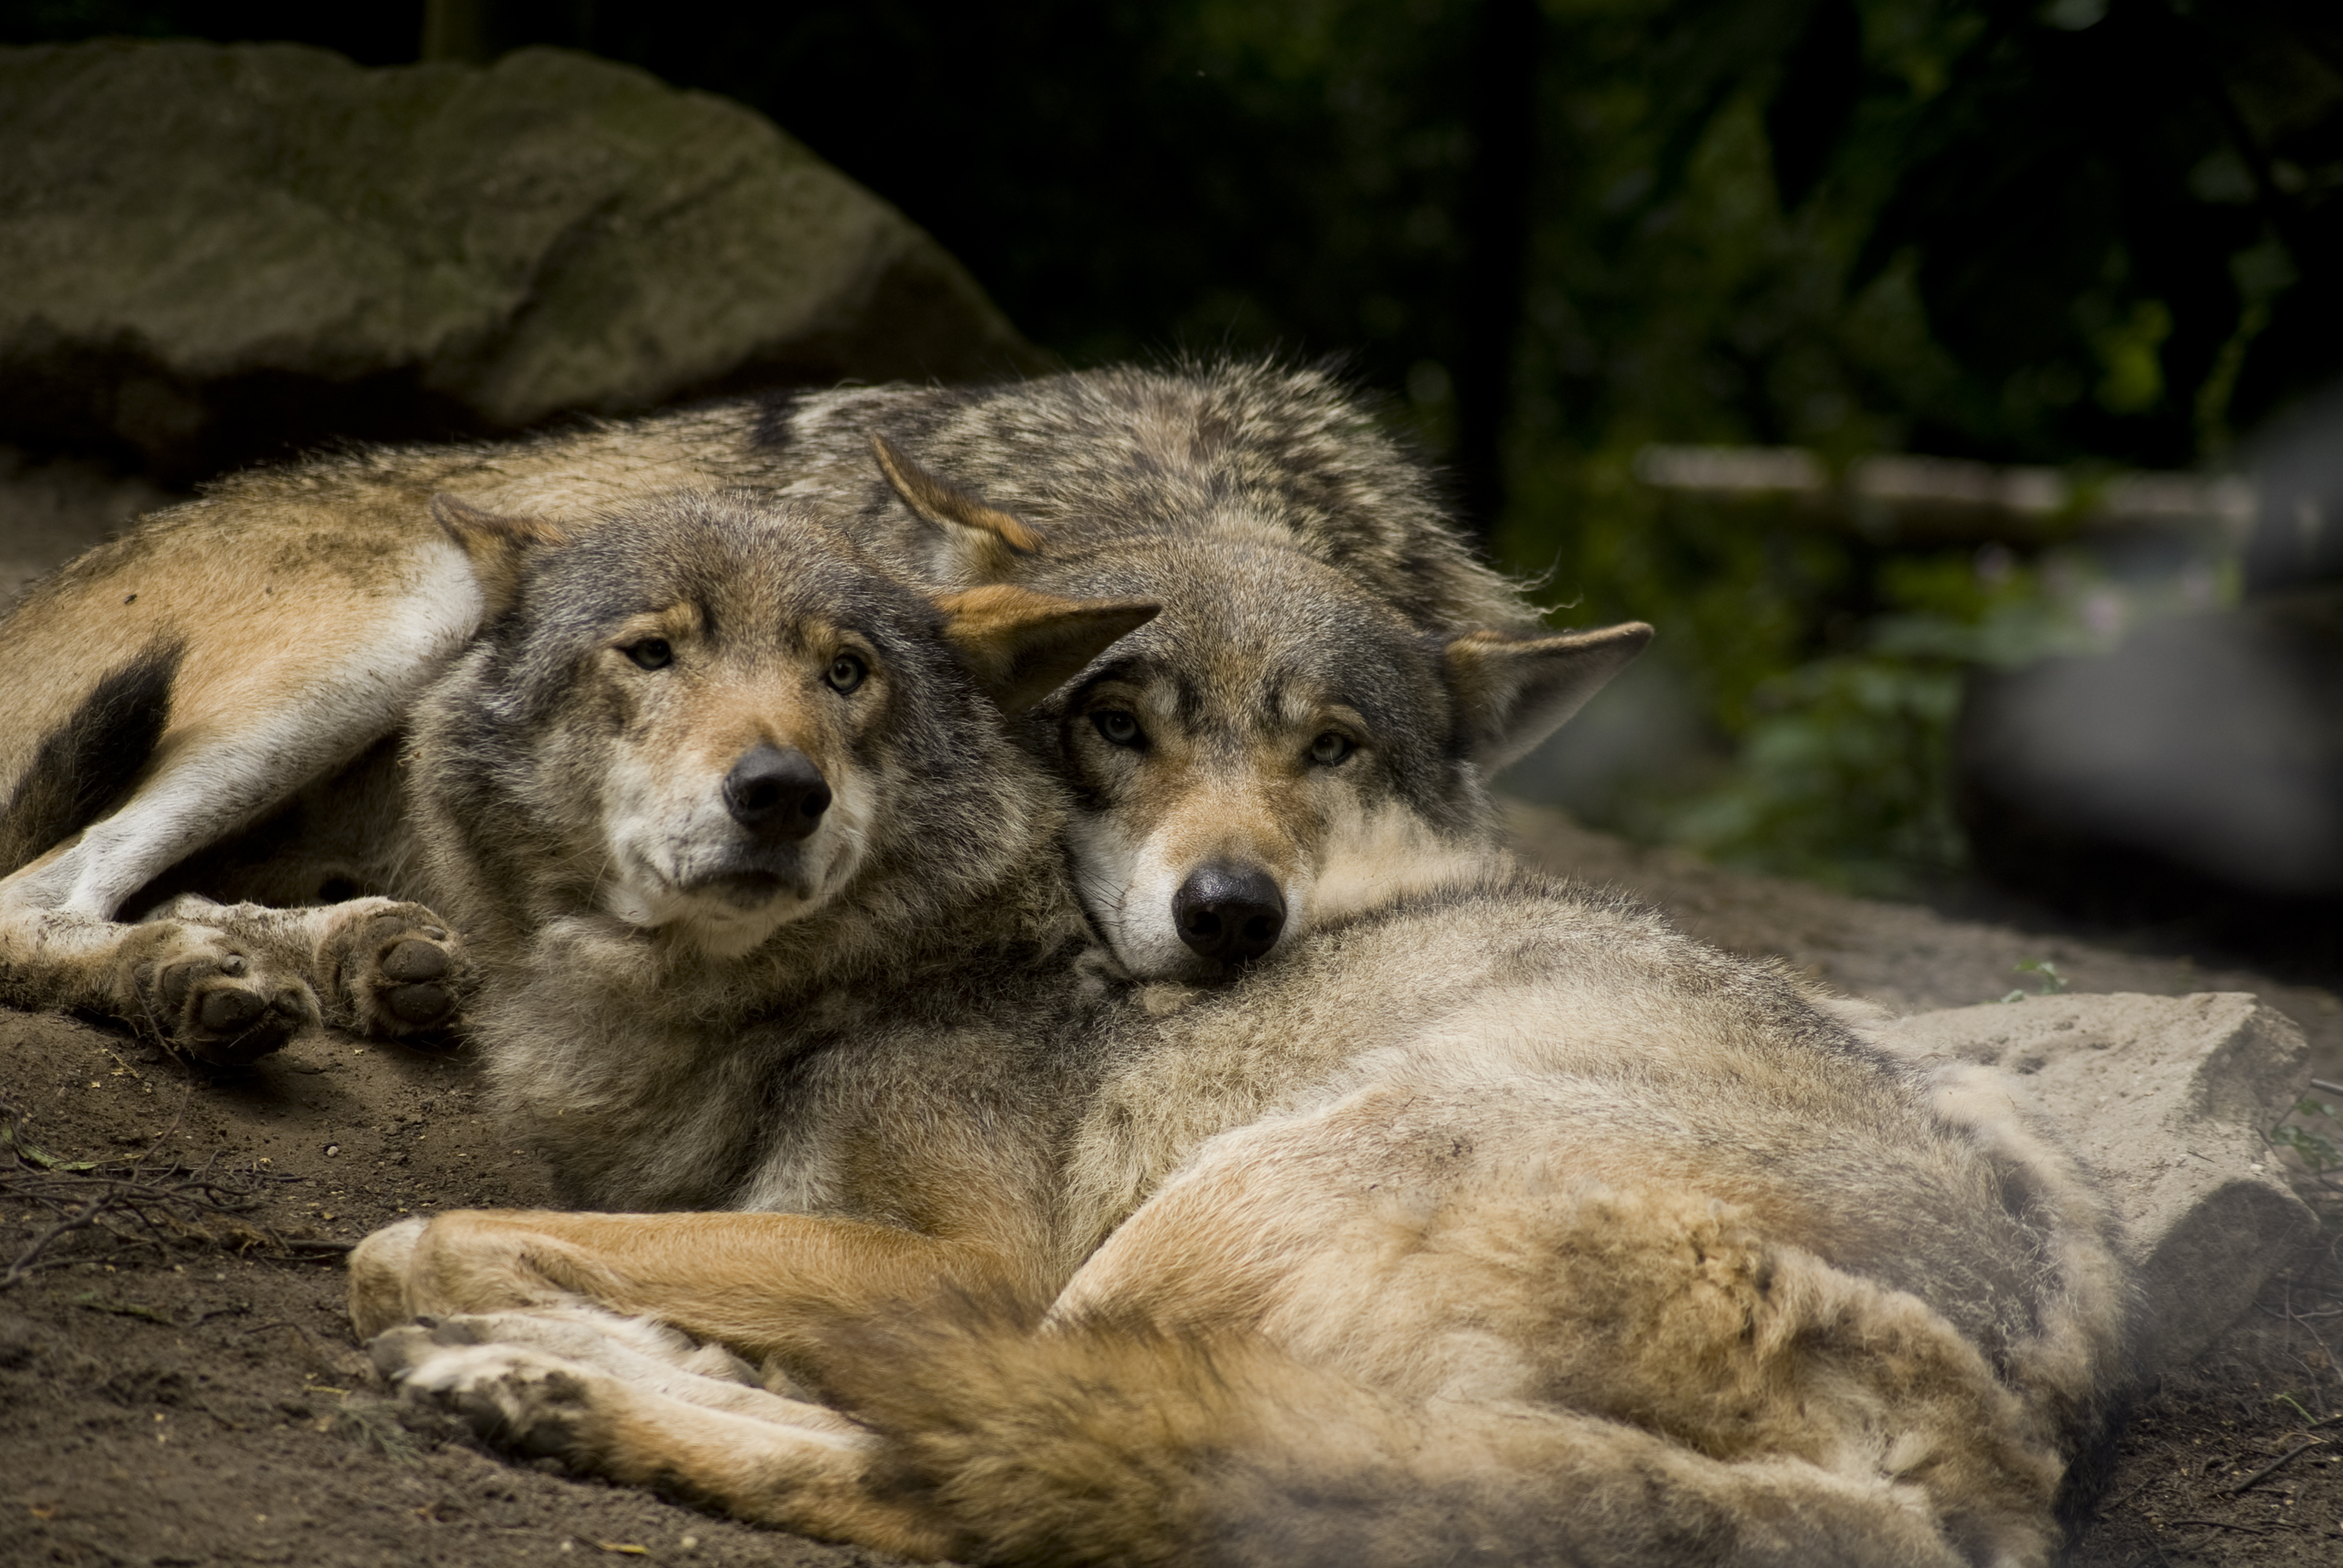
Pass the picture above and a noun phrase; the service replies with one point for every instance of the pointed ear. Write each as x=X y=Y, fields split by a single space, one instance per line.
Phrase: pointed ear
x=496 y=543
x=1512 y=692
x=991 y=538
x=1022 y=646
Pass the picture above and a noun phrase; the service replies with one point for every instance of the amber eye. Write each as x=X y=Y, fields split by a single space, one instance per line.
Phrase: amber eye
x=1117 y=727
x=1331 y=748
x=846 y=672
x=652 y=653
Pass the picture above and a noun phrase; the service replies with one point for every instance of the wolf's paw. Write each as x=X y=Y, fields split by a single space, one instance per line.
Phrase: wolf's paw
x=203 y=993
x=641 y=1348
x=378 y=1270
x=516 y=1396
x=392 y=969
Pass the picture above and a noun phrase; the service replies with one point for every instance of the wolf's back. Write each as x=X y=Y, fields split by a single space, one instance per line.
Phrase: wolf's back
x=1114 y=1443
x=1237 y=446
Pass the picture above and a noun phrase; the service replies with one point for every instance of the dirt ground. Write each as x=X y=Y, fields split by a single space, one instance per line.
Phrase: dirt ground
x=181 y=1389
x=179 y=1385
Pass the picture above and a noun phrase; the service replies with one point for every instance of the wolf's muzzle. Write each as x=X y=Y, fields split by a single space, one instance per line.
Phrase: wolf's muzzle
x=1228 y=912
x=779 y=796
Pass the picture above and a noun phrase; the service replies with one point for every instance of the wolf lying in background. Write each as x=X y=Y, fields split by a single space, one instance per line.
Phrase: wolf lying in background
x=235 y=665
x=1278 y=747
x=1489 y=1219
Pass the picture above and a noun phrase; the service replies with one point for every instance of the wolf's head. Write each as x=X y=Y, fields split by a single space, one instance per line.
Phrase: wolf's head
x=1278 y=747
x=711 y=719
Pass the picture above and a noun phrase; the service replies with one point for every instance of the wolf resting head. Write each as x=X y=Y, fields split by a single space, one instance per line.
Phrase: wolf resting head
x=709 y=718
x=1279 y=747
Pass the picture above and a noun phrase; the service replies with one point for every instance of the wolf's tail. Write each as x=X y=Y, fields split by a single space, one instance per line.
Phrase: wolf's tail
x=90 y=759
x=1111 y=1444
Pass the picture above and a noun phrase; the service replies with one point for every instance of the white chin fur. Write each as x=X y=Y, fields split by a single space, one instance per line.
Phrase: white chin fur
x=651 y=861
x=710 y=922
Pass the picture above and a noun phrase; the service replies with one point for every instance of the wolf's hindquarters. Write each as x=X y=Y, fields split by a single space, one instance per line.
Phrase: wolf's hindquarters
x=89 y=760
x=1108 y=1443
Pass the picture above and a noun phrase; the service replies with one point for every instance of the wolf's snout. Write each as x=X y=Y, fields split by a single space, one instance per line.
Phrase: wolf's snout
x=777 y=794
x=1223 y=912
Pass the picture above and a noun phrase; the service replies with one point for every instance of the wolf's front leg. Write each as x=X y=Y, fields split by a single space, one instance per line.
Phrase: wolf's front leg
x=771 y=1287
x=188 y=984
x=229 y=983
x=378 y=967
x=811 y=1476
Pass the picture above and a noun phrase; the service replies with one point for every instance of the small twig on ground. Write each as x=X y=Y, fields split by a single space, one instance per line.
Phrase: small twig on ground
x=118 y=1062
x=2288 y=1457
x=136 y=1204
x=25 y=1261
x=2112 y=1503
x=150 y=1314
x=2220 y=1524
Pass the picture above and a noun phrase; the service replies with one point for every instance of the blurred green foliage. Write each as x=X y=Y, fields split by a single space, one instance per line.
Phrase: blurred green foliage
x=2066 y=234
x=2072 y=232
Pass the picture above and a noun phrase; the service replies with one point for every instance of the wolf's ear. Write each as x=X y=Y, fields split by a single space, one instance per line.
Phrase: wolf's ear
x=1512 y=692
x=496 y=544
x=1022 y=646
x=991 y=538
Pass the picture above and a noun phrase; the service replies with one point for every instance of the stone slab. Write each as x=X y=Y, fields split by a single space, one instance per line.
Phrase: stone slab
x=2167 y=1101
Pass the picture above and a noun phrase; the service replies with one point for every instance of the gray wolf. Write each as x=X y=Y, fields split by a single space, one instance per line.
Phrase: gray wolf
x=1203 y=721
x=1494 y=1217
x=1281 y=745
x=229 y=674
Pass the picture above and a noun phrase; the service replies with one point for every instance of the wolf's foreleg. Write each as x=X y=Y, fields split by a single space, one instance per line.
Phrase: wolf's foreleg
x=189 y=985
x=228 y=983
x=644 y=1352
x=760 y=1458
x=770 y=1287
x=378 y=967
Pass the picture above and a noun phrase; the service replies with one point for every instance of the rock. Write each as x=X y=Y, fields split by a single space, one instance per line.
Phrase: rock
x=2203 y=756
x=2166 y=1099
x=210 y=250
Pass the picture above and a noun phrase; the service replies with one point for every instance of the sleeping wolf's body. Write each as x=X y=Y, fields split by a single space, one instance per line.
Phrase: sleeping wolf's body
x=1491 y=1219
x=197 y=676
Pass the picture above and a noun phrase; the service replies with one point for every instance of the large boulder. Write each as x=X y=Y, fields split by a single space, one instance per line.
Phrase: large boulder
x=2210 y=746
x=2167 y=1100
x=210 y=252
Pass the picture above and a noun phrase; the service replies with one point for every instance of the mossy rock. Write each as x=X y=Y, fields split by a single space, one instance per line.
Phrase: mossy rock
x=211 y=249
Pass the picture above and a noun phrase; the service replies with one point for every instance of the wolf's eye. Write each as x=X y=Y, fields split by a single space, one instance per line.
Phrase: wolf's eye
x=846 y=672
x=652 y=653
x=1331 y=748
x=1117 y=727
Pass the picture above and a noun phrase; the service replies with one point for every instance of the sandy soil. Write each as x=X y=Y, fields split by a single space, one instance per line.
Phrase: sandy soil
x=191 y=1394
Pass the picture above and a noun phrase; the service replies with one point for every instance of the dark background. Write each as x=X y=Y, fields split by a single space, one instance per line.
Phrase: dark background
x=2097 y=209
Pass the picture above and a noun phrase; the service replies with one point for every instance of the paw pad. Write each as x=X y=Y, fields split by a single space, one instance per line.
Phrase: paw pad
x=218 y=1009
x=404 y=973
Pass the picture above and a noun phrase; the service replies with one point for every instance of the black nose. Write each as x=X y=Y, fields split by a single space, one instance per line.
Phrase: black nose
x=776 y=794
x=1228 y=912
